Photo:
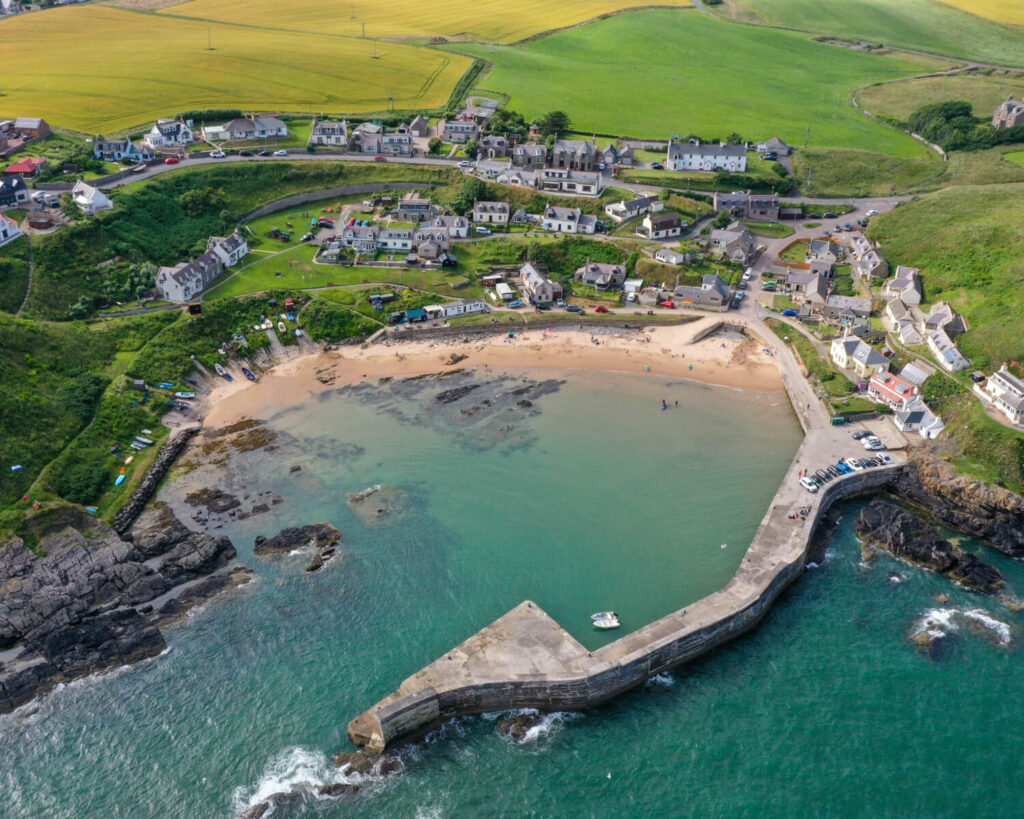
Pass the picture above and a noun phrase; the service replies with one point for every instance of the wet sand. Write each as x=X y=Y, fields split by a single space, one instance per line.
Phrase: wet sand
x=727 y=360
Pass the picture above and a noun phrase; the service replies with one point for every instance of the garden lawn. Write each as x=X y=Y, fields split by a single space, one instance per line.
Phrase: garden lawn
x=500 y=22
x=919 y=24
x=969 y=244
x=774 y=229
x=179 y=72
x=707 y=80
x=1016 y=157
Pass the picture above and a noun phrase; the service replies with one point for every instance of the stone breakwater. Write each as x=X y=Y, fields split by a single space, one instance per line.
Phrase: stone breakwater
x=526 y=660
x=168 y=454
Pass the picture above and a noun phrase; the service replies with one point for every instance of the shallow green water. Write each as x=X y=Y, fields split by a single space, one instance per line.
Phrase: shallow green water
x=599 y=500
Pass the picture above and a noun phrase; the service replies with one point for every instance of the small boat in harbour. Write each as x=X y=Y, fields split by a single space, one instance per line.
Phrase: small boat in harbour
x=184 y=395
x=605 y=620
x=281 y=327
x=119 y=481
x=222 y=372
x=141 y=440
x=248 y=373
x=165 y=385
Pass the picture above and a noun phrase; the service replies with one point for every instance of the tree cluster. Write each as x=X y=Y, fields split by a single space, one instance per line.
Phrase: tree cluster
x=953 y=127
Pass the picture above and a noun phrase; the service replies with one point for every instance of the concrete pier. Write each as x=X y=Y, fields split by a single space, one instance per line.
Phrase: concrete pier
x=525 y=659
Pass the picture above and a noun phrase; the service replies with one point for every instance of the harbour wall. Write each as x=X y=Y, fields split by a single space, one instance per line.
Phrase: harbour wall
x=525 y=660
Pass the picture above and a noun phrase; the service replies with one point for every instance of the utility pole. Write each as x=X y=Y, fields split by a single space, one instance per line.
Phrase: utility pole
x=209 y=39
x=807 y=136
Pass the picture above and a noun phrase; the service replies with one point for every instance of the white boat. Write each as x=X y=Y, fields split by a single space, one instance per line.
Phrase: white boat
x=281 y=326
x=605 y=623
x=604 y=615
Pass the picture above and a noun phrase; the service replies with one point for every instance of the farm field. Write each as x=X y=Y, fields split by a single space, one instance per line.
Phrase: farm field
x=123 y=91
x=499 y=23
x=919 y=24
x=1002 y=11
x=704 y=81
x=900 y=99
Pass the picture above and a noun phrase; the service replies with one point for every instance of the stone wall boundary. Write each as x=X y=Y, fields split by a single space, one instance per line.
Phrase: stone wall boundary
x=168 y=454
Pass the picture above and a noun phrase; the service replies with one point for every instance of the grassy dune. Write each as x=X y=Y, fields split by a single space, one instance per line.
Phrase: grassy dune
x=117 y=69
x=705 y=76
x=919 y=24
x=498 y=22
x=901 y=99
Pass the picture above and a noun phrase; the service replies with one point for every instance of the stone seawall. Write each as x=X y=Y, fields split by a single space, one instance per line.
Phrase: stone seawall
x=526 y=660
x=170 y=451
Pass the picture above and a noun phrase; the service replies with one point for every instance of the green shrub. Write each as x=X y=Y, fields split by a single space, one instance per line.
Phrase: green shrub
x=82 y=483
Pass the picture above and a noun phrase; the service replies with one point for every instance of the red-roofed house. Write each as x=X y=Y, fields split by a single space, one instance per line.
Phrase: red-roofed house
x=892 y=390
x=27 y=167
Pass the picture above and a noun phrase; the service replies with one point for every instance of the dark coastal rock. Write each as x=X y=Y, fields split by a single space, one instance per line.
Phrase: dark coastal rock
x=456 y=393
x=85 y=606
x=316 y=563
x=369 y=763
x=318 y=535
x=885 y=525
x=215 y=500
x=518 y=726
x=337 y=789
x=987 y=512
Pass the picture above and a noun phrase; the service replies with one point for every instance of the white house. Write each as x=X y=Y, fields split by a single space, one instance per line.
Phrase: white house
x=538 y=288
x=850 y=353
x=457 y=226
x=450 y=309
x=330 y=134
x=693 y=156
x=1006 y=392
x=395 y=238
x=576 y=183
x=920 y=419
x=568 y=220
x=169 y=133
x=946 y=352
x=255 y=128
x=230 y=250
x=625 y=209
x=114 y=150
x=664 y=225
x=9 y=230
x=188 y=279
x=492 y=213
x=90 y=200
x=904 y=285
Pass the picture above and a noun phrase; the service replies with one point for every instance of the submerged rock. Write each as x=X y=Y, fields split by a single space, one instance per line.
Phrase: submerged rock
x=886 y=526
x=518 y=726
x=377 y=503
x=368 y=763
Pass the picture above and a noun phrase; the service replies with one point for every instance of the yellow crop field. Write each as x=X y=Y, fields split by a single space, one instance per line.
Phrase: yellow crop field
x=1002 y=11
x=97 y=69
x=505 y=22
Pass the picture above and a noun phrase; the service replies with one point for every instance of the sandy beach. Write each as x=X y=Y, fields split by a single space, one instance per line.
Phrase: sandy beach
x=725 y=359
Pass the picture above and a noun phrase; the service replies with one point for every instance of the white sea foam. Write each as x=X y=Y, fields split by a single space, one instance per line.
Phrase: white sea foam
x=936 y=623
x=812 y=565
x=662 y=680
x=429 y=812
x=292 y=771
x=1001 y=630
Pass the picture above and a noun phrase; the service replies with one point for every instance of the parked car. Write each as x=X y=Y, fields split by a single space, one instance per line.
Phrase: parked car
x=245 y=153
x=830 y=215
x=281 y=152
x=264 y=153
x=600 y=309
x=823 y=475
x=657 y=166
x=809 y=485
x=667 y=303
x=465 y=163
x=885 y=459
x=861 y=433
x=559 y=303
x=516 y=303
x=307 y=237
x=573 y=308
x=217 y=154
x=748 y=273
x=857 y=465
x=483 y=231
x=847 y=227
x=813 y=216
x=735 y=303
x=171 y=160
x=871 y=213
x=380 y=159
x=789 y=311
x=742 y=285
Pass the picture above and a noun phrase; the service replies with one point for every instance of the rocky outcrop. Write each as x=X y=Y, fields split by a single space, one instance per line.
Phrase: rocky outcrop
x=319 y=536
x=519 y=726
x=174 y=446
x=87 y=604
x=987 y=512
x=885 y=525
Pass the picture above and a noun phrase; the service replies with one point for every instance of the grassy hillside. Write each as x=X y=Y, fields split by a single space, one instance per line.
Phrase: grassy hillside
x=13 y=274
x=499 y=23
x=705 y=76
x=166 y=219
x=117 y=69
x=900 y=99
x=919 y=24
x=969 y=244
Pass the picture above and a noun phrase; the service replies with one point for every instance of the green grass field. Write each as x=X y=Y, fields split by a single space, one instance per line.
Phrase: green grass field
x=13 y=274
x=900 y=99
x=151 y=65
x=500 y=22
x=706 y=76
x=969 y=244
x=841 y=172
x=1016 y=157
x=924 y=25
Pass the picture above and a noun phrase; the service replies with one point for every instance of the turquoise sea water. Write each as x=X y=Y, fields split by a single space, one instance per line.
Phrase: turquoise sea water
x=595 y=500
